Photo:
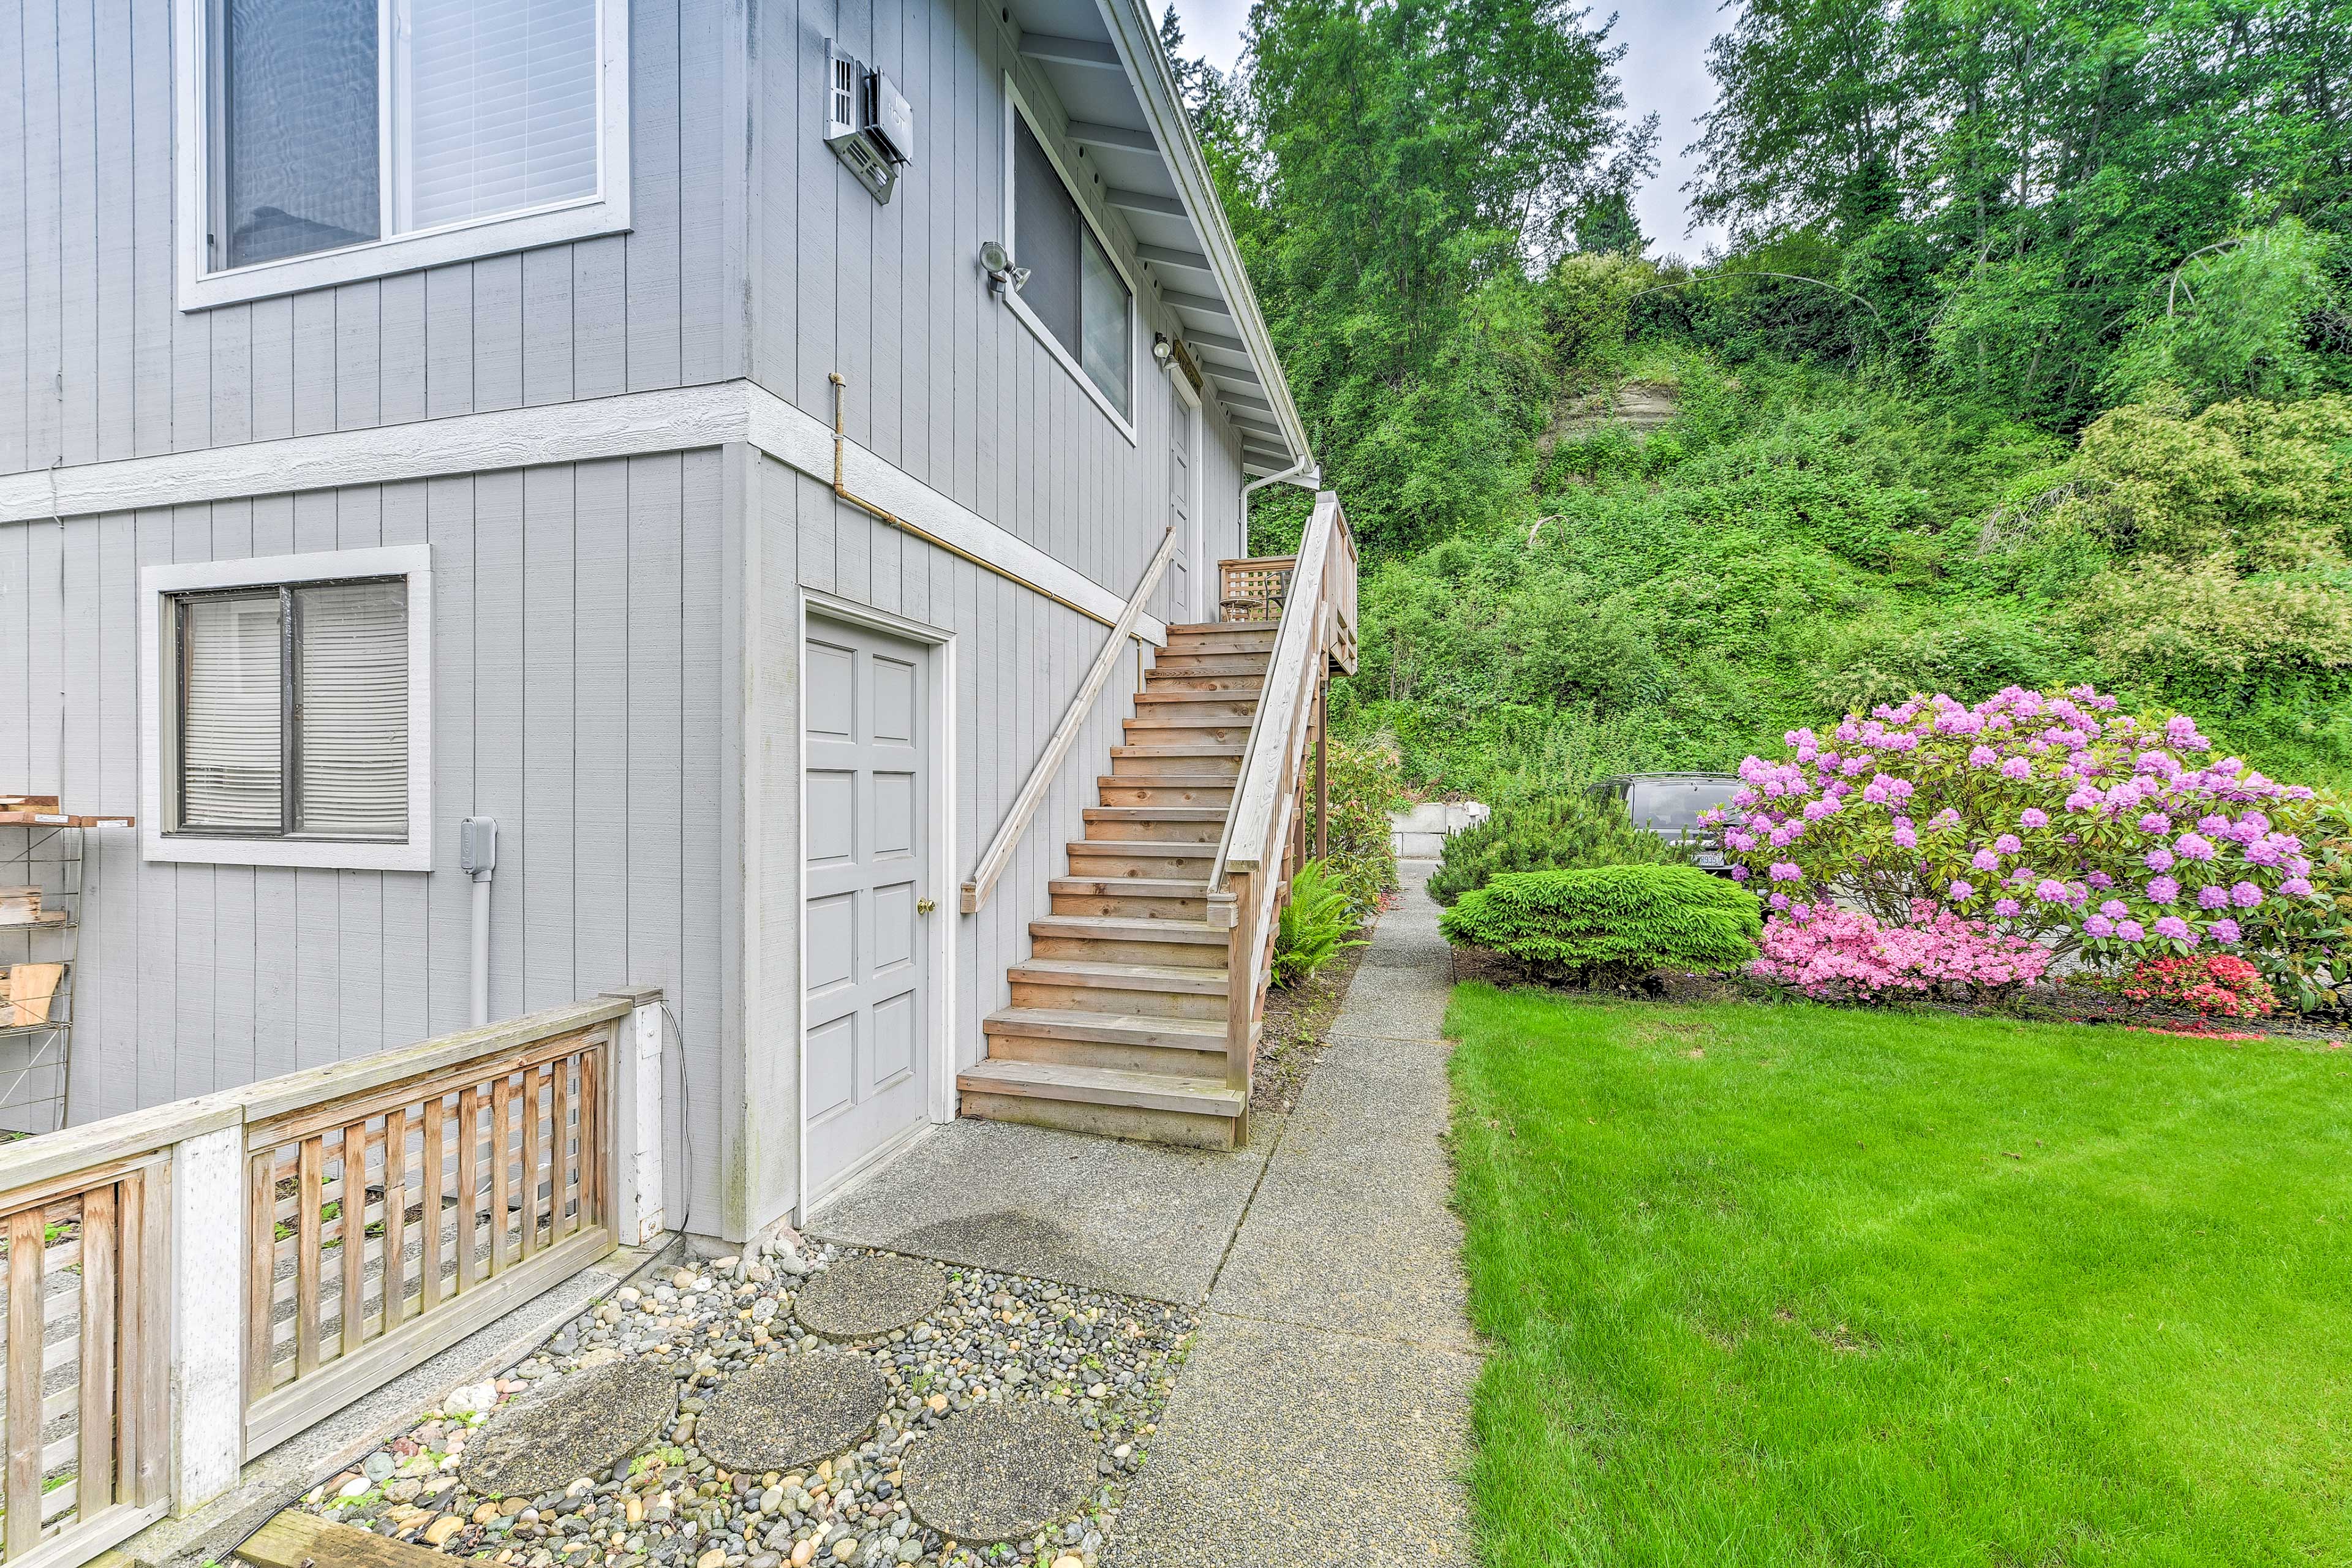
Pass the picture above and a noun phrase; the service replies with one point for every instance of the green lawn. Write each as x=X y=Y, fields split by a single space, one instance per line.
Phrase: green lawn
x=1801 y=1285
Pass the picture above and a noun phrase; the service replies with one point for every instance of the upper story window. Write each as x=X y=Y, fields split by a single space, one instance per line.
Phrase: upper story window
x=330 y=140
x=288 y=704
x=1077 y=296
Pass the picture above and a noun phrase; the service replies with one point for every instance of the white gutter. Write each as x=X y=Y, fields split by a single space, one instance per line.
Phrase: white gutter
x=1137 y=38
x=1304 y=472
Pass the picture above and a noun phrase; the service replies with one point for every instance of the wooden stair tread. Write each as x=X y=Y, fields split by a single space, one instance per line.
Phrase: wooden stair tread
x=1110 y=1028
x=1167 y=781
x=1143 y=849
x=1104 y=1086
x=1155 y=814
x=1183 y=749
x=1129 y=886
x=1240 y=699
x=1082 y=972
x=1113 y=928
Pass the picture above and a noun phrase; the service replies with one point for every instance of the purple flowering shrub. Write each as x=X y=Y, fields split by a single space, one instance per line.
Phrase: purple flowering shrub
x=2049 y=817
x=1825 y=951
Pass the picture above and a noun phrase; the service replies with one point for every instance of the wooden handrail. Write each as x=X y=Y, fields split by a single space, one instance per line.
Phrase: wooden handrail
x=999 y=853
x=1317 y=630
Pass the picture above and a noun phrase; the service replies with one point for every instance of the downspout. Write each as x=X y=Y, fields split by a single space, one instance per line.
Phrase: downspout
x=1303 y=471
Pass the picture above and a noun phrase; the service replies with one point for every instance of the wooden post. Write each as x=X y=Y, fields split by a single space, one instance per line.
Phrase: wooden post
x=261 y=1271
x=25 y=1322
x=351 y=1236
x=100 y=1335
x=207 y=1292
x=634 y=1142
x=1322 y=784
x=1241 y=981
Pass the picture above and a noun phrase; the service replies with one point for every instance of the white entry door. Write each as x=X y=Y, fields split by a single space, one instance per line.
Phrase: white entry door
x=1183 y=516
x=865 y=749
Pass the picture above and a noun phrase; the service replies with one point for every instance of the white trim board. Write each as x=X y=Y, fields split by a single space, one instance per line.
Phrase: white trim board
x=678 y=419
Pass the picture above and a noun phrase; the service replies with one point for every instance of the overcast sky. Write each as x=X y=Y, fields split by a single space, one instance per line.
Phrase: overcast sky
x=1665 y=70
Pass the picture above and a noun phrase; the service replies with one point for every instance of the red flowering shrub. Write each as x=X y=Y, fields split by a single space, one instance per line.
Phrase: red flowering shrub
x=2216 y=984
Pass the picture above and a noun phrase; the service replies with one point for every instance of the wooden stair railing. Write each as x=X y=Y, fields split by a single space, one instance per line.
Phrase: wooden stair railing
x=1250 y=876
x=999 y=853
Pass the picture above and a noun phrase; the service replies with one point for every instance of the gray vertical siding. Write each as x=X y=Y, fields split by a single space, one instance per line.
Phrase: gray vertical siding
x=97 y=360
x=576 y=668
x=1018 y=657
x=591 y=620
x=945 y=381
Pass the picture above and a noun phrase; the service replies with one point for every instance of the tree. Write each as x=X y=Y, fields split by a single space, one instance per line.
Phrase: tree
x=1405 y=167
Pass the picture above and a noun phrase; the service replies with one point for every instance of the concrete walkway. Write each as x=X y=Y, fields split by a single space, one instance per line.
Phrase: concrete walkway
x=1324 y=1415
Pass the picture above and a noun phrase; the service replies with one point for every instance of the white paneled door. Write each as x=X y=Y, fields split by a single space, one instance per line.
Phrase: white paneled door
x=1183 y=516
x=866 y=750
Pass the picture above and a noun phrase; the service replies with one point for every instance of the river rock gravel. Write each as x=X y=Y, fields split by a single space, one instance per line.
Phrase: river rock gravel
x=1107 y=1362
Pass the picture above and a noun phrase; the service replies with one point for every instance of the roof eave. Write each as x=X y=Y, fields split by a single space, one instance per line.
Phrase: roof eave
x=1136 y=39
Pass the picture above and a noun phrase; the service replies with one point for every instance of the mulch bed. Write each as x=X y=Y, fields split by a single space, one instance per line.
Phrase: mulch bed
x=2041 y=1003
x=1297 y=1019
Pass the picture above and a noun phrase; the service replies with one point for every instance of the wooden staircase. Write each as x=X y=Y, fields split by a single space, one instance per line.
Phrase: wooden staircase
x=1138 y=1011
x=1118 y=1021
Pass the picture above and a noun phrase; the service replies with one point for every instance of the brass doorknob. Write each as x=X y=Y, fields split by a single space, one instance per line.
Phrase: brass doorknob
x=924 y=905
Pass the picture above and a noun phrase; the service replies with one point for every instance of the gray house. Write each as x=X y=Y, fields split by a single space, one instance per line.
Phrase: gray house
x=717 y=443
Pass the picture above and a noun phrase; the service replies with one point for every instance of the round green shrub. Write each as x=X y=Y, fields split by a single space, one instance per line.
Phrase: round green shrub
x=1609 y=925
x=1562 y=830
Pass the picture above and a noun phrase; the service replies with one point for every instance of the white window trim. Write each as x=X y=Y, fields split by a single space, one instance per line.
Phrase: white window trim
x=157 y=584
x=1015 y=103
x=581 y=217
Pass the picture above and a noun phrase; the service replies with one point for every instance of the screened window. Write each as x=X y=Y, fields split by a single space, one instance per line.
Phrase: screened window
x=1074 y=291
x=293 y=710
x=340 y=123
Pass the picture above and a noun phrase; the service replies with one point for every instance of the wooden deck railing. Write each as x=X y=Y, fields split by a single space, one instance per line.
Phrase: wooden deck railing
x=189 y=1285
x=1264 y=835
x=88 y=1357
x=1255 y=588
x=999 y=853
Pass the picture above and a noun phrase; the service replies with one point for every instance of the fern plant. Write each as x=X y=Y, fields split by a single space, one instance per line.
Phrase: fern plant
x=1315 y=926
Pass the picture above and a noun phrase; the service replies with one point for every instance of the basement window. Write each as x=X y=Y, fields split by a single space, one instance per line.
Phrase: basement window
x=1077 y=300
x=287 y=711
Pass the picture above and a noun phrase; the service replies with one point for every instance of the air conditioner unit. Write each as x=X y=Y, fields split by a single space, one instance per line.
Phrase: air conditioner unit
x=868 y=123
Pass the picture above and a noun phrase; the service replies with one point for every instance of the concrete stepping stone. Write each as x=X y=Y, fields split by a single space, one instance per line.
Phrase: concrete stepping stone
x=859 y=1298
x=1000 y=1472
x=792 y=1411
x=586 y=1423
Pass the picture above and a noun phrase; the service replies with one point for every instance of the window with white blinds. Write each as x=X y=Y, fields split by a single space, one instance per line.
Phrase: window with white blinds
x=294 y=711
x=233 y=700
x=492 y=109
x=352 y=708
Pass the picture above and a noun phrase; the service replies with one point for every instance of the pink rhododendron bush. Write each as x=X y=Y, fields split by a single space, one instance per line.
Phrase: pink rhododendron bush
x=1964 y=833
x=1824 y=951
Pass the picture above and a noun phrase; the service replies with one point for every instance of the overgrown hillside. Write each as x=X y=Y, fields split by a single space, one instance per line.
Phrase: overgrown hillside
x=2026 y=363
x=1799 y=542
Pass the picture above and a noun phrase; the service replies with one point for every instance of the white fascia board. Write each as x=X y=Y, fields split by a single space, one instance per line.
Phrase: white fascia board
x=629 y=425
x=1136 y=38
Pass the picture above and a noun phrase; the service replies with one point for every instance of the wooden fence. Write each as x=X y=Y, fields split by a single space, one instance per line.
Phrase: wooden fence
x=187 y=1286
